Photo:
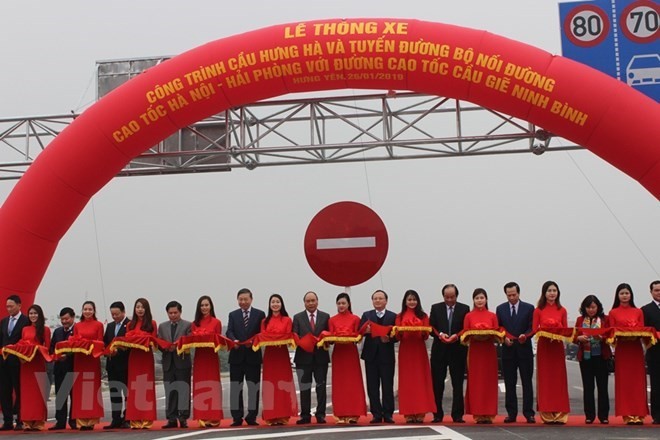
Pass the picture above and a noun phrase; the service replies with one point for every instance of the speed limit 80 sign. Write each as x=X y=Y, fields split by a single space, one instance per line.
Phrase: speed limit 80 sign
x=586 y=25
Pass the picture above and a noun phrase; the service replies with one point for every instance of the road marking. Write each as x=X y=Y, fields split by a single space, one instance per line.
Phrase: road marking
x=444 y=433
x=502 y=387
x=345 y=243
x=449 y=433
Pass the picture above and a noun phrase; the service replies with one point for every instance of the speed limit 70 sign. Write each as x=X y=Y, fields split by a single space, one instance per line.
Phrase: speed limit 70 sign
x=641 y=21
x=617 y=37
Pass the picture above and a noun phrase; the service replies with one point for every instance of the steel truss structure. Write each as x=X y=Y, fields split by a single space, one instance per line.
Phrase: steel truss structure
x=307 y=130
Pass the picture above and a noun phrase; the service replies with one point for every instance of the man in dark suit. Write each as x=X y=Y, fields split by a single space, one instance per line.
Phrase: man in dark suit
x=652 y=319
x=378 y=356
x=176 y=368
x=313 y=364
x=117 y=367
x=517 y=355
x=11 y=328
x=63 y=371
x=447 y=352
x=244 y=363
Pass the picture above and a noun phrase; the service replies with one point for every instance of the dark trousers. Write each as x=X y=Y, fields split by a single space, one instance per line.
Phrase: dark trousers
x=117 y=384
x=594 y=372
x=510 y=368
x=177 y=393
x=653 y=364
x=239 y=373
x=455 y=362
x=320 y=374
x=10 y=389
x=63 y=386
x=380 y=376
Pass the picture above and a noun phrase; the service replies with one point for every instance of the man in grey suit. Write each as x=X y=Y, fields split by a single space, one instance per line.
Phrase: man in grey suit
x=176 y=368
x=313 y=364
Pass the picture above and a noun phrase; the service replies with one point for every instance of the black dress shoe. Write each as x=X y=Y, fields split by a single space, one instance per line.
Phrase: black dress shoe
x=589 y=421
x=654 y=422
x=303 y=421
x=183 y=423
x=459 y=420
x=531 y=419
x=375 y=421
x=112 y=426
x=236 y=423
x=388 y=420
x=604 y=422
x=19 y=426
x=57 y=427
x=509 y=419
x=86 y=428
x=125 y=425
x=7 y=427
x=252 y=422
x=436 y=420
x=320 y=419
x=170 y=424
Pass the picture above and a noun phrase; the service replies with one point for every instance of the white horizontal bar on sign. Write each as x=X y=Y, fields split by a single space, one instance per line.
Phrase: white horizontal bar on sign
x=345 y=243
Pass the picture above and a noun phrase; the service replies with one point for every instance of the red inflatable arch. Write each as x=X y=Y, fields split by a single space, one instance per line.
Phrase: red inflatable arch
x=566 y=98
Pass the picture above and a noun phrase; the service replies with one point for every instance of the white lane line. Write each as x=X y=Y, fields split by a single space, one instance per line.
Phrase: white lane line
x=415 y=437
x=345 y=243
x=445 y=432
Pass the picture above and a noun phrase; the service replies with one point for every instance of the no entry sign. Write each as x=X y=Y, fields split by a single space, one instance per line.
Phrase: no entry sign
x=346 y=244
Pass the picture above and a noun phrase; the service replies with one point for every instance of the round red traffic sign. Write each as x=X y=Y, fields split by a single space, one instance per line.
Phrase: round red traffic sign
x=346 y=244
x=586 y=25
x=640 y=21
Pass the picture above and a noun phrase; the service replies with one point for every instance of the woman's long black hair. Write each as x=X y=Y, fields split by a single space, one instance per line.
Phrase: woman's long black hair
x=270 y=311
x=419 y=311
